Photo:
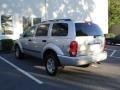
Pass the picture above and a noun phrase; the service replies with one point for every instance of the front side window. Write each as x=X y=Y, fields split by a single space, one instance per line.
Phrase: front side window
x=30 y=32
x=60 y=29
x=42 y=30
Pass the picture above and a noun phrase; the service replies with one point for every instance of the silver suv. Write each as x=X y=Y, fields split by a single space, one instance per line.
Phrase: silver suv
x=63 y=42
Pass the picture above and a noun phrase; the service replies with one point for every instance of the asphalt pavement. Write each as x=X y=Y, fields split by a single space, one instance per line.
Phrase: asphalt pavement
x=30 y=74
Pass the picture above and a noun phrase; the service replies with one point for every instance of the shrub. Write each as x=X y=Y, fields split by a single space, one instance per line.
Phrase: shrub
x=110 y=35
x=7 y=44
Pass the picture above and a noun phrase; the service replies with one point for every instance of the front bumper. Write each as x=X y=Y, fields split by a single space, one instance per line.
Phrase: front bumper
x=82 y=60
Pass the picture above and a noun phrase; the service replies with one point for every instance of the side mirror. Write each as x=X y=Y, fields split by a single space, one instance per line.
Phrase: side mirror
x=21 y=35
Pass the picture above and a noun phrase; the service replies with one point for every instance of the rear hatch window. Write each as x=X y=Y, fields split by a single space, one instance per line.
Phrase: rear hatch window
x=88 y=29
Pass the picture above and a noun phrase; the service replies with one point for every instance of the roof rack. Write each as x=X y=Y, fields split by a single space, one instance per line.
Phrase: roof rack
x=58 y=20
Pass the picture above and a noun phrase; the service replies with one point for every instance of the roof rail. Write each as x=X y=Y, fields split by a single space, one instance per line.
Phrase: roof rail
x=58 y=20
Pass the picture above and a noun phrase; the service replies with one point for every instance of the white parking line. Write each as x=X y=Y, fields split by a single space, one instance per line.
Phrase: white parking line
x=22 y=71
x=115 y=57
x=114 y=51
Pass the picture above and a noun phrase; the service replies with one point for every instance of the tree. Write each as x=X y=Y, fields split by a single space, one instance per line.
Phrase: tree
x=6 y=22
x=114 y=13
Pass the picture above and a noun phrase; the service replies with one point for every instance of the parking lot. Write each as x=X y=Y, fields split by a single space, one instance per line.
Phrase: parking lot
x=29 y=74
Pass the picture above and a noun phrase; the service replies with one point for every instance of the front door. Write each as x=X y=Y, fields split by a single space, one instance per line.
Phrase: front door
x=40 y=39
x=27 y=40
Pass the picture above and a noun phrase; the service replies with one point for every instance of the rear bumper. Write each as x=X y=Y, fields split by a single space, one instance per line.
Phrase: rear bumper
x=82 y=60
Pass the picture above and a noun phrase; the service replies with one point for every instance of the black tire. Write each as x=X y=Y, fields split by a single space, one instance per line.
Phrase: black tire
x=51 y=64
x=18 y=53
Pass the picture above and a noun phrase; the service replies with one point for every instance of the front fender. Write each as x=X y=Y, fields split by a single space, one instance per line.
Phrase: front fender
x=17 y=42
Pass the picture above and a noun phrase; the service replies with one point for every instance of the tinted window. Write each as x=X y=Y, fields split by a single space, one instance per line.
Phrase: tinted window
x=30 y=32
x=42 y=30
x=87 y=29
x=60 y=29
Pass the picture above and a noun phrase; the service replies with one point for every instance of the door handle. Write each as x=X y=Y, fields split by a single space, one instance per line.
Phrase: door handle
x=44 y=40
x=29 y=39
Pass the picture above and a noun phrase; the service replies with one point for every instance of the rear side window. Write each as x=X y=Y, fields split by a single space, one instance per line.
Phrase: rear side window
x=88 y=29
x=60 y=29
x=42 y=30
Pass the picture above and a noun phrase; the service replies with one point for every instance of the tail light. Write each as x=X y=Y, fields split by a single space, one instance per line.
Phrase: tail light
x=105 y=45
x=73 y=48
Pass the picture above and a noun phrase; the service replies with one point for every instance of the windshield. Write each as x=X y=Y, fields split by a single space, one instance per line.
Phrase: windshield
x=88 y=29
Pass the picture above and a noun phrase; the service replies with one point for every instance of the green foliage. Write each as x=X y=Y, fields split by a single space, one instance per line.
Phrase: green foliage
x=7 y=44
x=6 y=22
x=110 y=35
x=114 y=12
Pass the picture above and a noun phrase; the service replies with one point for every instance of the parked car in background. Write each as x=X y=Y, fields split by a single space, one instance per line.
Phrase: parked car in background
x=116 y=40
x=63 y=43
x=113 y=41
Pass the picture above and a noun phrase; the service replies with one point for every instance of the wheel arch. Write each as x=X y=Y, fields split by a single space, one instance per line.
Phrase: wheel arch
x=53 y=48
x=17 y=43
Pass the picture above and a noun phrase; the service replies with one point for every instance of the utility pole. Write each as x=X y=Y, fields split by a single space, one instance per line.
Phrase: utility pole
x=46 y=9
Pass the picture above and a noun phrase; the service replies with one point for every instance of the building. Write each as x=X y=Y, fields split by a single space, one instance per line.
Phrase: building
x=17 y=15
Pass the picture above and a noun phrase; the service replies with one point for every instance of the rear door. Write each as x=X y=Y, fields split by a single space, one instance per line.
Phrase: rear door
x=59 y=36
x=90 y=38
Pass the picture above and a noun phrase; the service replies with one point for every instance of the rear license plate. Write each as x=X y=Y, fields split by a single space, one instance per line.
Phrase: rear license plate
x=94 y=47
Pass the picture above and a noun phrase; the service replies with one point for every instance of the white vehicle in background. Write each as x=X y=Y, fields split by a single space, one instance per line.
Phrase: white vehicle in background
x=63 y=42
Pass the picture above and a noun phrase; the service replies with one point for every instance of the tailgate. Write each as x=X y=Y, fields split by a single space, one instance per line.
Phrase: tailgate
x=90 y=45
